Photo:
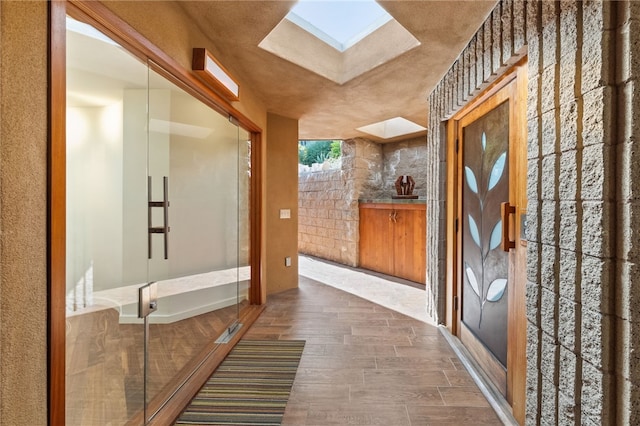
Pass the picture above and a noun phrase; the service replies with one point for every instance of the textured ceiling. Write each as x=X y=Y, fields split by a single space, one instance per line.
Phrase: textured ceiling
x=327 y=110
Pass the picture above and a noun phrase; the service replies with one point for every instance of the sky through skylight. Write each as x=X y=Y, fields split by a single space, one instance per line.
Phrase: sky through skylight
x=340 y=24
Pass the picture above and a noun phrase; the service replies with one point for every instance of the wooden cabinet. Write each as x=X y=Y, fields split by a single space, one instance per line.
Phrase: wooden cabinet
x=393 y=239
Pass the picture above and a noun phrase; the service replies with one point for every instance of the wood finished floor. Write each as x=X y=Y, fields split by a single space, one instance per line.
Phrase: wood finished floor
x=364 y=364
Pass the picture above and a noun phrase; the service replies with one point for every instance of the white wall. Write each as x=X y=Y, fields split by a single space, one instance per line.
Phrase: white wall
x=108 y=162
x=94 y=200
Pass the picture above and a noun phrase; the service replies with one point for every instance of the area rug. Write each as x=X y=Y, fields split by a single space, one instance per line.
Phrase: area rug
x=250 y=387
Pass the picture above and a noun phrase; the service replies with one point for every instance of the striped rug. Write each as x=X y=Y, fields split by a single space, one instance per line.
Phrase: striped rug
x=250 y=387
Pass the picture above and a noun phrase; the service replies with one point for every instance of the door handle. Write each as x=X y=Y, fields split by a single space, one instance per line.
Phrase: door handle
x=393 y=216
x=506 y=210
x=164 y=229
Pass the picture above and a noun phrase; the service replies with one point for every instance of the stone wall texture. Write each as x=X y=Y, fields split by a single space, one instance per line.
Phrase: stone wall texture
x=404 y=158
x=583 y=188
x=328 y=218
x=328 y=202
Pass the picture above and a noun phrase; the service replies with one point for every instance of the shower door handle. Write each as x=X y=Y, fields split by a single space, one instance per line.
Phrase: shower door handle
x=164 y=204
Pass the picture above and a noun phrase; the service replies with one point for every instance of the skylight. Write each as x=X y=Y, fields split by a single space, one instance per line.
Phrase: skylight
x=340 y=24
x=392 y=128
x=338 y=39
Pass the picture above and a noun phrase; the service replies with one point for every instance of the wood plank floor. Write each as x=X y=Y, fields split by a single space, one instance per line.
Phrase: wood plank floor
x=364 y=364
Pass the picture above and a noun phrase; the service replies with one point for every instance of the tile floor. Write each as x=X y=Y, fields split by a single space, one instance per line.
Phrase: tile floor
x=379 y=362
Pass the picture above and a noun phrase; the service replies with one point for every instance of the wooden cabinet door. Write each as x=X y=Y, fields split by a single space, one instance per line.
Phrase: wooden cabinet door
x=376 y=239
x=409 y=251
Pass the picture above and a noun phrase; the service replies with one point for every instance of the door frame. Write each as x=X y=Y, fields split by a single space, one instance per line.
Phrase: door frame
x=102 y=18
x=516 y=362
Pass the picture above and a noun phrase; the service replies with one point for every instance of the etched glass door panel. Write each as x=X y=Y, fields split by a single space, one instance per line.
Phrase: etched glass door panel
x=484 y=264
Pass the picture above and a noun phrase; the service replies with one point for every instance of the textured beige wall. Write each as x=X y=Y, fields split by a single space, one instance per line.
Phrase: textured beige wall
x=23 y=224
x=170 y=29
x=282 y=193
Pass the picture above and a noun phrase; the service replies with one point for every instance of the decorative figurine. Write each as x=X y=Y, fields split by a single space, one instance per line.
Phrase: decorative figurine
x=404 y=187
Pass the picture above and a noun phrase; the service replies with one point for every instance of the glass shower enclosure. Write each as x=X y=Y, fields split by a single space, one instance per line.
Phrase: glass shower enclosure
x=157 y=231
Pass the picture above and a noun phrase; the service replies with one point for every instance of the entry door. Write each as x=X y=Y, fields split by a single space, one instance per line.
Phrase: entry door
x=491 y=263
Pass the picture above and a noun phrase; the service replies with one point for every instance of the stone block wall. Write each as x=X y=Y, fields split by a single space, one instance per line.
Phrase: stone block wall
x=626 y=190
x=404 y=158
x=328 y=217
x=328 y=202
x=583 y=190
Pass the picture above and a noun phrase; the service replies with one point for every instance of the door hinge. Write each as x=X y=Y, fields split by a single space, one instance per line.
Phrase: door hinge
x=457 y=145
x=456 y=224
x=455 y=303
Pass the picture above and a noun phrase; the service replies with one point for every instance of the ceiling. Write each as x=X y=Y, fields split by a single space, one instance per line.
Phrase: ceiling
x=325 y=109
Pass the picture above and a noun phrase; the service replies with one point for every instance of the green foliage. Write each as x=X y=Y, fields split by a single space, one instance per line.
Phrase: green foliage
x=322 y=157
x=336 y=149
x=302 y=154
x=310 y=152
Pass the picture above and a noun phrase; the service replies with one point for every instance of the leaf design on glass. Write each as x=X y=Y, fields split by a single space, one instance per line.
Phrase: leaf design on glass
x=473 y=229
x=471 y=276
x=496 y=289
x=484 y=141
x=496 y=235
x=497 y=170
x=471 y=180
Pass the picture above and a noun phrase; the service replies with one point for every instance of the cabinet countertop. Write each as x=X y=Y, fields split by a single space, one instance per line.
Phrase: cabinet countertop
x=392 y=201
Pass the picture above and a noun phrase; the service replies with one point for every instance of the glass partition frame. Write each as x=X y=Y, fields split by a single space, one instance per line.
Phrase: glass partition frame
x=99 y=16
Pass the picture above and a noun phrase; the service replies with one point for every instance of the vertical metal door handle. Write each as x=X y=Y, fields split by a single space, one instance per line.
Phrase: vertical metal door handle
x=164 y=229
x=506 y=210
x=165 y=207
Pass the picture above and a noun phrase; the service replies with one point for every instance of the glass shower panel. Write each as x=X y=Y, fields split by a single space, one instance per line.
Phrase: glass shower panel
x=106 y=258
x=196 y=246
x=135 y=139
